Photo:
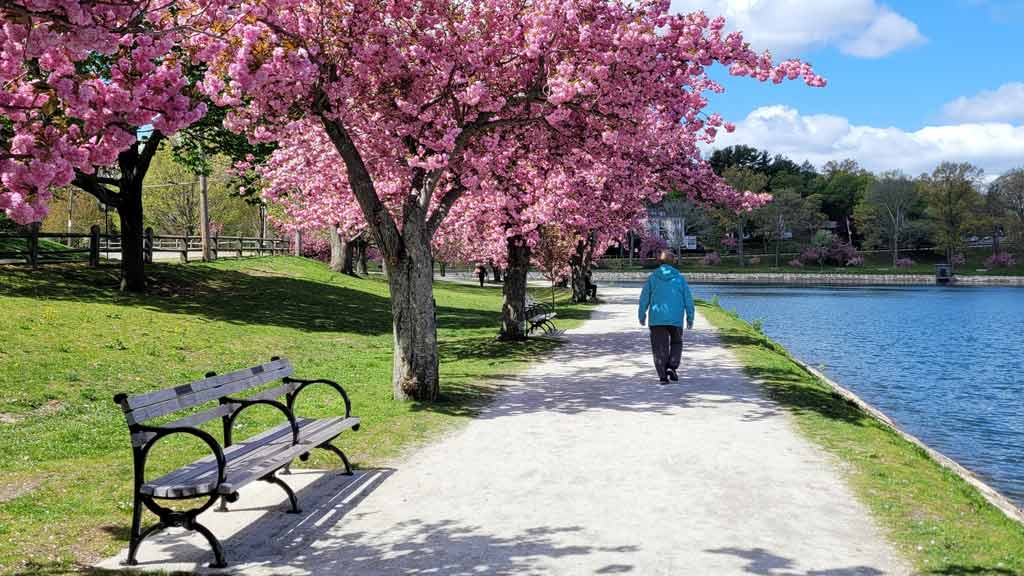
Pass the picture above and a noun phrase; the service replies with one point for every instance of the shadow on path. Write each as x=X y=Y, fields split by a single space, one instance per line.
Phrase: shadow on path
x=309 y=543
x=764 y=563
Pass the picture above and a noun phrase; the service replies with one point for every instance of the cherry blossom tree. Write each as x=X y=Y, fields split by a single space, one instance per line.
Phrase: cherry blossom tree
x=90 y=88
x=306 y=177
x=413 y=95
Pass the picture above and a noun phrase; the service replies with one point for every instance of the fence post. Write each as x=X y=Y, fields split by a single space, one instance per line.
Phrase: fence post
x=298 y=242
x=94 y=245
x=147 y=245
x=184 y=250
x=33 y=244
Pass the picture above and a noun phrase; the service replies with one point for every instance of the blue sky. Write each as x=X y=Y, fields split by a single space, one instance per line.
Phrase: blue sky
x=911 y=83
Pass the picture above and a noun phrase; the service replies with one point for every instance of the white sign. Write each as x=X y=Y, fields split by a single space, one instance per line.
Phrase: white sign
x=690 y=242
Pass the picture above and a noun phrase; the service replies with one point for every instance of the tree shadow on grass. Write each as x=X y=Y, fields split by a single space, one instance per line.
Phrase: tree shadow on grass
x=250 y=297
x=963 y=570
x=792 y=386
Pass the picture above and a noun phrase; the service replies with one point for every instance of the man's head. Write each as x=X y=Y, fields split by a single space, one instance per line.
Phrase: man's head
x=666 y=257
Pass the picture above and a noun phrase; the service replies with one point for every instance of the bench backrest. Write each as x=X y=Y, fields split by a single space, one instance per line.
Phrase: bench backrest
x=143 y=407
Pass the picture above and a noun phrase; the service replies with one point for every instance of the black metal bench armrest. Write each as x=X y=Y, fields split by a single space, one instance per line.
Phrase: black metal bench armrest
x=247 y=403
x=302 y=384
x=157 y=433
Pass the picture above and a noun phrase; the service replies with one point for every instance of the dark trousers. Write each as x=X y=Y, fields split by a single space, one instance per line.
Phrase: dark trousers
x=667 y=347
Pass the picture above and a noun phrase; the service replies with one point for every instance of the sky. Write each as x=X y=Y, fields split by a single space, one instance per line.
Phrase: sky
x=911 y=82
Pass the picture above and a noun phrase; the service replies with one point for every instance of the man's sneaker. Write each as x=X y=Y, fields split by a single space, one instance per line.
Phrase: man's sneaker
x=672 y=375
x=663 y=381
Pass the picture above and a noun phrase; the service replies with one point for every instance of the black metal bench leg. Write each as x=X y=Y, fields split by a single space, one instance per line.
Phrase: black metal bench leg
x=135 y=537
x=218 y=550
x=344 y=459
x=133 y=545
x=287 y=489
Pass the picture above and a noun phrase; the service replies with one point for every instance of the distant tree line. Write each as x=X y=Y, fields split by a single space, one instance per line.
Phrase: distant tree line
x=831 y=213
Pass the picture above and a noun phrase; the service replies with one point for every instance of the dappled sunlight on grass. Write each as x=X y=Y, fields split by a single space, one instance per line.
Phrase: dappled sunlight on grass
x=71 y=341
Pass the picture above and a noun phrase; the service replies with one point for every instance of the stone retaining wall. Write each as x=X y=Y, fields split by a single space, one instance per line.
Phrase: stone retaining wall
x=791 y=278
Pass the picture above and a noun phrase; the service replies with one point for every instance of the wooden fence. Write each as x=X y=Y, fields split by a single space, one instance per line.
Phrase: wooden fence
x=81 y=247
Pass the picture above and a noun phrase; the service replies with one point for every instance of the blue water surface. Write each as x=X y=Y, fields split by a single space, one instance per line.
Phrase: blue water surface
x=946 y=363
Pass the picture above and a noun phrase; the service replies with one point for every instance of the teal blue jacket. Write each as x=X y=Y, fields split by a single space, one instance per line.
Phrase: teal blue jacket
x=668 y=297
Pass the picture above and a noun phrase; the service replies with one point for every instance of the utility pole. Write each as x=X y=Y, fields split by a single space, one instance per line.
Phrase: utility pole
x=204 y=218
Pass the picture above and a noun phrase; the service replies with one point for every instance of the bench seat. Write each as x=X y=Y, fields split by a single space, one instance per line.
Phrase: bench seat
x=248 y=460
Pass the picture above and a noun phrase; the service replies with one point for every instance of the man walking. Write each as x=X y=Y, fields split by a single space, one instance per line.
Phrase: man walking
x=667 y=295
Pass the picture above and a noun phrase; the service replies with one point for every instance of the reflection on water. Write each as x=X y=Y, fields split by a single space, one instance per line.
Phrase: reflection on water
x=945 y=362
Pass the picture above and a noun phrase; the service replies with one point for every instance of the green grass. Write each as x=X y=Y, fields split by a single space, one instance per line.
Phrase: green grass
x=11 y=245
x=925 y=261
x=71 y=341
x=941 y=523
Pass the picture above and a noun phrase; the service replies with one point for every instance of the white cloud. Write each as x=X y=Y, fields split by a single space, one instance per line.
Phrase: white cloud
x=818 y=138
x=1005 y=103
x=887 y=33
x=860 y=28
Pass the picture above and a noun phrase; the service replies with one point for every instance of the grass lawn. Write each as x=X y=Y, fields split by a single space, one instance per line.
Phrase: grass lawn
x=12 y=245
x=942 y=524
x=71 y=341
x=880 y=263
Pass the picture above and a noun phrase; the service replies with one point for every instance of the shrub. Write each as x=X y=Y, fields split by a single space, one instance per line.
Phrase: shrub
x=796 y=263
x=958 y=260
x=712 y=259
x=810 y=256
x=904 y=263
x=317 y=249
x=855 y=262
x=758 y=325
x=840 y=254
x=1000 y=260
x=729 y=242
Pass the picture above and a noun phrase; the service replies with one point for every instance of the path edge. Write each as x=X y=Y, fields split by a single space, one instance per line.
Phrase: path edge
x=990 y=494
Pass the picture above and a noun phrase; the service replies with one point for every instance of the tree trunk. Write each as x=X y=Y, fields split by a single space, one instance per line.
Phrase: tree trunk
x=496 y=272
x=338 y=250
x=513 y=306
x=577 y=280
x=410 y=277
x=348 y=259
x=739 y=242
x=129 y=210
x=895 y=250
x=361 y=264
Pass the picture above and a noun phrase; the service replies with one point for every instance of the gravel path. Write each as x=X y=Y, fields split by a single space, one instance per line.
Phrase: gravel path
x=585 y=465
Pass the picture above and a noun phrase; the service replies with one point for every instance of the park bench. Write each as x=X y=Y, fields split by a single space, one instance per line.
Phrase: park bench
x=231 y=465
x=539 y=318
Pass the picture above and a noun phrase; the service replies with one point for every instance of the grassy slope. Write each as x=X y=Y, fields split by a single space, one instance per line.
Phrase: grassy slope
x=940 y=522
x=10 y=245
x=71 y=341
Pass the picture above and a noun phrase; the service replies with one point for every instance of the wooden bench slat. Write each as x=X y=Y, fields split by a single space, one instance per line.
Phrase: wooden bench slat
x=141 y=438
x=142 y=400
x=541 y=318
x=248 y=460
x=187 y=400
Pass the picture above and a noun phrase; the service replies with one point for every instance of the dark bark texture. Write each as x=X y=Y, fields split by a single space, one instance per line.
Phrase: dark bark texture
x=513 y=306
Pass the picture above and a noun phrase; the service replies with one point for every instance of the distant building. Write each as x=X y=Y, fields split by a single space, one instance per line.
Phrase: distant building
x=666 y=221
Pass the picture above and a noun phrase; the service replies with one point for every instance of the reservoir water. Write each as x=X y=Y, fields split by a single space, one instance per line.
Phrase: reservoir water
x=946 y=363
